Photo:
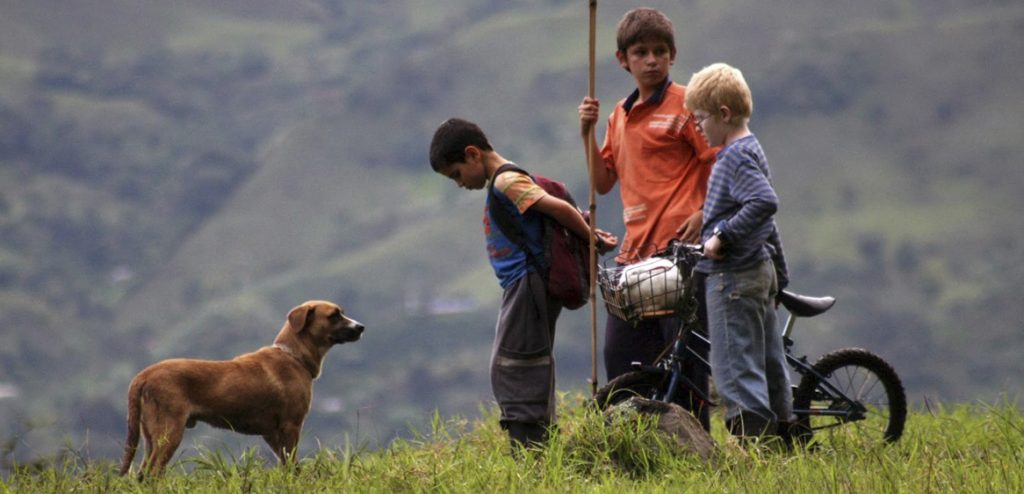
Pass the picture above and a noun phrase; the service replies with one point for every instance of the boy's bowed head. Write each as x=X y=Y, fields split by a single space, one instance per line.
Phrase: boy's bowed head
x=460 y=151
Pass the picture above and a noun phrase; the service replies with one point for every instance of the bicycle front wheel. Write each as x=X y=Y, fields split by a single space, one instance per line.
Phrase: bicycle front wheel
x=873 y=402
x=644 y=384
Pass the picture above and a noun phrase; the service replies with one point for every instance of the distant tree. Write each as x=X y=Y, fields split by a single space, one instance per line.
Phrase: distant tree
x=208 y=180
x=15 y=132
x=69 y=67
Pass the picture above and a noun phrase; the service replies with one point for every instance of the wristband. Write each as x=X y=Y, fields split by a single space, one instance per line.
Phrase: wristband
x=718 y=231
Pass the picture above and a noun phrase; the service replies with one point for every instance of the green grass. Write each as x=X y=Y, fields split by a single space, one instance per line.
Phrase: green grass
x=964 y=448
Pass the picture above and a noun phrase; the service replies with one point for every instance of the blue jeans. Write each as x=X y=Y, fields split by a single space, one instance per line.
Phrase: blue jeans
x=748 y=363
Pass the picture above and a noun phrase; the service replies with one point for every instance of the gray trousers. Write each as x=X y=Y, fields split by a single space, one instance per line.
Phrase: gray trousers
x=522 y=359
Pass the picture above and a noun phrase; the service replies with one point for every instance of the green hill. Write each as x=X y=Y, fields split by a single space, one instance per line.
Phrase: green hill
x=174 y=178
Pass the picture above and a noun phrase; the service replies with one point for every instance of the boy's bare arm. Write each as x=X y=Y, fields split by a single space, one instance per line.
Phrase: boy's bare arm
x=689 y=231
x=567 y=215
x=604 y=178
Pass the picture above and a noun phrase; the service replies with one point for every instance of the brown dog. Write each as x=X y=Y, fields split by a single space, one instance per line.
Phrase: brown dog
x=265 y=393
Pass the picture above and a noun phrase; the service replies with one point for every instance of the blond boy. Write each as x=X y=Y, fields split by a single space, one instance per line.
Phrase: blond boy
x=744 y=262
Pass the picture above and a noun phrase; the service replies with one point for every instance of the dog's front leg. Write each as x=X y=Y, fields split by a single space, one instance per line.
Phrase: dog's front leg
x=284 y=442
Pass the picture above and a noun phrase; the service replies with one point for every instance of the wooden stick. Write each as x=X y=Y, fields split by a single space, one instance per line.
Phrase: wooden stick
x=593 y=209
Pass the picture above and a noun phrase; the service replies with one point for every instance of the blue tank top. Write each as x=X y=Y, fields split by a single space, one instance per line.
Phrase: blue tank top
x=507 y=259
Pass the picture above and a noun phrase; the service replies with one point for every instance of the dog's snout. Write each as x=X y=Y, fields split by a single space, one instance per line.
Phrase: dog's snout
x=351 y=330
x=354 y=325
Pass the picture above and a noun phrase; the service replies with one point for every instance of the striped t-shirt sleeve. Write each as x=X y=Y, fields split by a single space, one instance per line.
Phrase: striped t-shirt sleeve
x=519 y=189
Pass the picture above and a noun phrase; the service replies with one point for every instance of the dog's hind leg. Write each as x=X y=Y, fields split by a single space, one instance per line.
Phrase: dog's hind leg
x=163 y=431
x=163 y=449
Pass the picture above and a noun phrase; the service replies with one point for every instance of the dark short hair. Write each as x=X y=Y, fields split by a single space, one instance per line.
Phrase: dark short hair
x=450 y=140
x=644 y=24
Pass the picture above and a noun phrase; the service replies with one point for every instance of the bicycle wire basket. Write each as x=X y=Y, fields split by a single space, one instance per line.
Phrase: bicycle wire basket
x=656 y=287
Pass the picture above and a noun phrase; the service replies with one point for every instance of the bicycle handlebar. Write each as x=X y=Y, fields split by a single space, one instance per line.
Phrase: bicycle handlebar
x=677 y=249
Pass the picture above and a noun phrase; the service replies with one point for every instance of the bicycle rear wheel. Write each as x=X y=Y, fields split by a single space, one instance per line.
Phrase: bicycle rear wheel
x=864 y=378
x=637 y=383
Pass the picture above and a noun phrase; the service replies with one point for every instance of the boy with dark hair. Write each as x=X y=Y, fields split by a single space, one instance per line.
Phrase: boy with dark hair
x=744 y=262
x=653 y=151
x=522 y=362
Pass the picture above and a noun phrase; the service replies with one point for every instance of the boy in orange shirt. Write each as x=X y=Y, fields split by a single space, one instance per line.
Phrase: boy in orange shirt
x=653 y=151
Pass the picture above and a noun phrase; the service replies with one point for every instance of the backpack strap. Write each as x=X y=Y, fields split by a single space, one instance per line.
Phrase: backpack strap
x=507 y=225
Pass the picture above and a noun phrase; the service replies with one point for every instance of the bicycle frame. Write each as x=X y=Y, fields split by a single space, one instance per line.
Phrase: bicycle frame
x=856 y=411
x=671 y=365
x=838 y=388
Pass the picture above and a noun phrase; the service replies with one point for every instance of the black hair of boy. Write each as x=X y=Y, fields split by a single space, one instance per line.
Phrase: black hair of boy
x=450 y=140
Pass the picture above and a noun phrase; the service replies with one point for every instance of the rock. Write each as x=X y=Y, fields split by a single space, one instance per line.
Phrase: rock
x=673 y=421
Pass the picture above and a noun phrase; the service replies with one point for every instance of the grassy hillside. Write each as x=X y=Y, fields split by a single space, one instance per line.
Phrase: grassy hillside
x=174 y=178
x=590 y=455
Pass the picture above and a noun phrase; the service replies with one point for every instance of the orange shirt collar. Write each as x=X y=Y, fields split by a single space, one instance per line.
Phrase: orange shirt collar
x=653 y=100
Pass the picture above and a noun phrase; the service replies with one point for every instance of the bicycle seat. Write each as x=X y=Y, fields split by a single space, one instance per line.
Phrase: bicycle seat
x=803 y=305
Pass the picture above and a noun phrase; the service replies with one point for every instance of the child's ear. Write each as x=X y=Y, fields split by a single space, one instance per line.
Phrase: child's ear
x=725 y=113
x=623 y=61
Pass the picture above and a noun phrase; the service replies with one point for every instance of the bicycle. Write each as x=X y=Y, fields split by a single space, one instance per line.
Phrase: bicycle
x=844 y=386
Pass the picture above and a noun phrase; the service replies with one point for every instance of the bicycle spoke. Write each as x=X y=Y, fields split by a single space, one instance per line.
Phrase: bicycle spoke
x=856 y=390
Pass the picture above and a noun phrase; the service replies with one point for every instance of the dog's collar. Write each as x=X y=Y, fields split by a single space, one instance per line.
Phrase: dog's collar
x=286 y=349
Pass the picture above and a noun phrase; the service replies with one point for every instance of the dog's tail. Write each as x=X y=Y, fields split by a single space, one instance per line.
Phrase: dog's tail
x=131 y=443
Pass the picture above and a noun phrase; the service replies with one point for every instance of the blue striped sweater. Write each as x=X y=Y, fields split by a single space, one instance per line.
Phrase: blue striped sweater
x=742 y=203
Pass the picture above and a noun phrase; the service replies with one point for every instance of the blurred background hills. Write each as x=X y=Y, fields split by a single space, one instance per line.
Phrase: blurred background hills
x=175 y=176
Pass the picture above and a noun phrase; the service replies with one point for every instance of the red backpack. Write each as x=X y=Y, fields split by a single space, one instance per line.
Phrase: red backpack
x=566 y=264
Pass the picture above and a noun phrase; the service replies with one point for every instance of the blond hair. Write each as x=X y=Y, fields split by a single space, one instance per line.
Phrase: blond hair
x=719 y=85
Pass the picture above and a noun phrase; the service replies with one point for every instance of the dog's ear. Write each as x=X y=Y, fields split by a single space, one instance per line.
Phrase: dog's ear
x=300 y=316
